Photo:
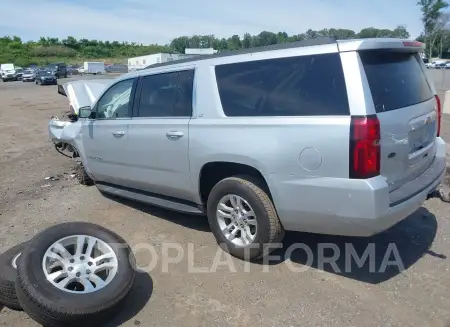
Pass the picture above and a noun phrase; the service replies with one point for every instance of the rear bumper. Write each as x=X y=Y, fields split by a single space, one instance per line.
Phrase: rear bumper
x=353 y=207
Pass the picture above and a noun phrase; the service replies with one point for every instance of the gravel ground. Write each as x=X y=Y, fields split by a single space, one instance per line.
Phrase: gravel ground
x=419 y=295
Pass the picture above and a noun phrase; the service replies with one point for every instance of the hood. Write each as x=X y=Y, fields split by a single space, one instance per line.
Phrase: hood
x=83 y=93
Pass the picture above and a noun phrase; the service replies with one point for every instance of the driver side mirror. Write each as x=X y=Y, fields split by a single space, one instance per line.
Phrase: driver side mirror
x=86 y=112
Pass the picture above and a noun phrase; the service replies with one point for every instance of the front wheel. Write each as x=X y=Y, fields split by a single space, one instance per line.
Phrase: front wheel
x=243 y=218
x=83 y=177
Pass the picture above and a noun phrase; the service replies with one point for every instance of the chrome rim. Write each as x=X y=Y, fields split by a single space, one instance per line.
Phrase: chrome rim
x=237 y=220
x=80 y=264
x=14 y=260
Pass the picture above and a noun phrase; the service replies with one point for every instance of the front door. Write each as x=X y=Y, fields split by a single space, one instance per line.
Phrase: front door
x=105 y=138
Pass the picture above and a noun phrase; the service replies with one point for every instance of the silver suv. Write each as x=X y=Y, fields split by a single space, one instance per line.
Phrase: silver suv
x=324 y=136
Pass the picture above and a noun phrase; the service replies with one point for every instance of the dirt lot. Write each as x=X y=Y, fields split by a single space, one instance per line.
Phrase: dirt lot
x=416 y=296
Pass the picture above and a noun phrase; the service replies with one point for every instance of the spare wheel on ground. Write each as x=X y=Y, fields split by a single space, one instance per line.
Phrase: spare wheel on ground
x=74 y=274
x=8 y=264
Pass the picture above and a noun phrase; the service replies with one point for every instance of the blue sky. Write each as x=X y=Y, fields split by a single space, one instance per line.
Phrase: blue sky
x=159 y=21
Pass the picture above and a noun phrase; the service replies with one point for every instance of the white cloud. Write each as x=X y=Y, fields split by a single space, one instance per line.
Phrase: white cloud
x=150 y=21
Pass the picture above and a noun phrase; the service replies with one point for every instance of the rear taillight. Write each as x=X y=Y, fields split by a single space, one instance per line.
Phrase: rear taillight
x=439 y=114
x=365 y=154
x=412 y=44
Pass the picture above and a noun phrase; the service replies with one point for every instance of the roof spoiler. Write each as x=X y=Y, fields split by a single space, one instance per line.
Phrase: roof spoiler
x=61 y=90
x=392 y=44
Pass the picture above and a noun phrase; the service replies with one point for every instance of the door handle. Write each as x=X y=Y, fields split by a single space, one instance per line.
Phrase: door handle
x=174 y=134
x=118 y=133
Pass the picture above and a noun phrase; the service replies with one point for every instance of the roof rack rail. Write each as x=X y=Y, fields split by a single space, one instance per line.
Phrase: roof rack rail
x=322 y=40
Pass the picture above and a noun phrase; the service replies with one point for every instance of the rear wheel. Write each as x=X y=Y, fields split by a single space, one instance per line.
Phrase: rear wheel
x=243 y=218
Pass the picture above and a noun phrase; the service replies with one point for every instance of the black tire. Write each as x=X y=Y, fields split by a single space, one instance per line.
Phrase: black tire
x=8 y=276
x=65 y=75
x=50 y=306
x=269 y=229
x=83 y=177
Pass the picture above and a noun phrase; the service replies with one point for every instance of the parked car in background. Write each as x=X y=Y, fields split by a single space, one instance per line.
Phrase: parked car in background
x=436 y=64
x=58 y=69
x=45 y=76
x=72 y=70
x=29 y=75
x=19 y=73
x=355 y=152
x=8 y=72
x=117 y=68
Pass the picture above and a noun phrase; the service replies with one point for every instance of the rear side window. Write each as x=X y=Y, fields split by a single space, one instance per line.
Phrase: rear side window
x=157 y=95
x=396 y=79
x=166 y=95
x=295 y=86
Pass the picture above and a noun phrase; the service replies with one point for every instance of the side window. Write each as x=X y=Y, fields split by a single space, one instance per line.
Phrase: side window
x=157 y=96
x=183 y=94
x=115 y=102
x=167 y=95
x=295 y=86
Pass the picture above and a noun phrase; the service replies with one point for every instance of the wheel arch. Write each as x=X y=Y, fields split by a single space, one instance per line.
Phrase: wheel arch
x=214 y=171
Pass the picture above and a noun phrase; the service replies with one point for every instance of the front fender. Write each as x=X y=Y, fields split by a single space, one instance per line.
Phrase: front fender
x=69 y=133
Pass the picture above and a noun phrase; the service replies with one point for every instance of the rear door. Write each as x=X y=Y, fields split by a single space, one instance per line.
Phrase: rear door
x=406 y=108
x=158 y=144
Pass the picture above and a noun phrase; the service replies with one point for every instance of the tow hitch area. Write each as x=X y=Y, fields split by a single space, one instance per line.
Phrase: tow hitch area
x=442 y=192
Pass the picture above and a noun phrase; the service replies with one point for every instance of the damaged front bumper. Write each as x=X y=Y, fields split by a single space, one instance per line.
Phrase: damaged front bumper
x=65 y=135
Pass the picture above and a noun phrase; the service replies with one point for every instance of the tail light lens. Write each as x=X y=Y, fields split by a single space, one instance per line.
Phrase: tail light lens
x=365 y=153
x=439 y=114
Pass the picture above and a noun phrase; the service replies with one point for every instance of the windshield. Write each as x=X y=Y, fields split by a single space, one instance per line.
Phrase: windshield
x=45 y=72
x=28 y=71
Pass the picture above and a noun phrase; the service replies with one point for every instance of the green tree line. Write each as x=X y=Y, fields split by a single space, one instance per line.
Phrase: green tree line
x=436 y=28
x=72 y=50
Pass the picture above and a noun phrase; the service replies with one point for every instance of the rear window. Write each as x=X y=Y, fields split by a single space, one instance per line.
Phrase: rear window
x=396 y=79
x=295 y=86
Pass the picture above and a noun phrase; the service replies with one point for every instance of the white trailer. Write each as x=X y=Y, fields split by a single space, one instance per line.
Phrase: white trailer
x=93 y=67
x=157 y=58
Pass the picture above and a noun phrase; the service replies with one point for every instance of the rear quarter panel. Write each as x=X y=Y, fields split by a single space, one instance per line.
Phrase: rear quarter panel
x=281 y=148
